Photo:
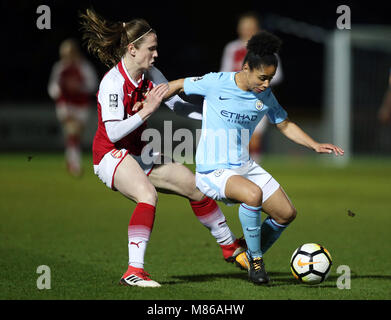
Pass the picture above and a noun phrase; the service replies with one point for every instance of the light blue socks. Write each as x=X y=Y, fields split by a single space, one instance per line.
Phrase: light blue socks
x=270 y=232
x=250 y=218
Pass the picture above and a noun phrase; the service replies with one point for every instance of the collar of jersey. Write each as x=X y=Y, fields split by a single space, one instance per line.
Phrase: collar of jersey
x=248 y=94
x=133 y=82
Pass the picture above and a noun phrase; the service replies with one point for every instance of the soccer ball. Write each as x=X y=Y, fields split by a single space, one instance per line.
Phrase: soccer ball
x=311 y=263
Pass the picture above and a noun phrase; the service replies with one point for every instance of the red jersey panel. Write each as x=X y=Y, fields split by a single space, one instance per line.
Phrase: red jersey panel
x=72 y=83
x=116 y=96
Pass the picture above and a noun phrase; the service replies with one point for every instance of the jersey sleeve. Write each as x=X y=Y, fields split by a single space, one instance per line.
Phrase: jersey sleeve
x=110 y=98
x=200 y=85
x=53 y=85
x=227 y=58
x=276 y=113
x=156 y=76
x=90 y=77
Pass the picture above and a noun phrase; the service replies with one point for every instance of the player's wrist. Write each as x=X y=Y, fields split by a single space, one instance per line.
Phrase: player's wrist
x=147 y=110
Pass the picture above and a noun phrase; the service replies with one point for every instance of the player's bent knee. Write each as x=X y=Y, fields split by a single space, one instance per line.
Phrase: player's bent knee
x=288 y=216
x=195 y=195
x=291 y=215
x=145 y=194
x=254 y=197
x=149 y=197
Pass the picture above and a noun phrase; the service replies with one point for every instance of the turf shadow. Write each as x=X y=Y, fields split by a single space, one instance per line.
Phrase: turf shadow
x=278 y=279
x=214 y=276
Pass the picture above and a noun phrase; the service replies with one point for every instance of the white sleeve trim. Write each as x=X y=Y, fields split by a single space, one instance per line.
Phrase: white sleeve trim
x=116 y=130
x=184 y=108
x=53 y=86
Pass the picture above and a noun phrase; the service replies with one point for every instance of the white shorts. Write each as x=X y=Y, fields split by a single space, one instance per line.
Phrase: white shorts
x=107 y=167
x=213 y=184
x=65 y=111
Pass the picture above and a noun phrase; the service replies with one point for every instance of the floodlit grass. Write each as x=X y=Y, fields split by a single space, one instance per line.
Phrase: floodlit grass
x=78 y=227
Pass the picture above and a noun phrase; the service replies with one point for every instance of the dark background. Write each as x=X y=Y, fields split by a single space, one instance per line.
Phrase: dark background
x=191 y=35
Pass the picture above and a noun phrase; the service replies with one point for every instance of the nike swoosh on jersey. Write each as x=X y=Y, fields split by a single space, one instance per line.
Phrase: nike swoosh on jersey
x=221 y=98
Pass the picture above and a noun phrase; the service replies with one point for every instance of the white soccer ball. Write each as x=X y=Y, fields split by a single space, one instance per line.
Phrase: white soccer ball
x=311 y=263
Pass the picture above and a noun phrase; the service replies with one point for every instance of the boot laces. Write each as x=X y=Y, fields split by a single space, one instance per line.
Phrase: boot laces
x=257 y=264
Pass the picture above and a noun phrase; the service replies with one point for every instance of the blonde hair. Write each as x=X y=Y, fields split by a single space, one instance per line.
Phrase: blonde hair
x=109 y=40
x=69 y=49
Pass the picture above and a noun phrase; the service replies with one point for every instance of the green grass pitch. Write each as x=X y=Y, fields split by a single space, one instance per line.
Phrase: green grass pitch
x=78 y=227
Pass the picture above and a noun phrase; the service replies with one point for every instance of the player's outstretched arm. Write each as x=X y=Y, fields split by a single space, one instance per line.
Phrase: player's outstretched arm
x=174 y=87
x=152 y=102
x=293 y=132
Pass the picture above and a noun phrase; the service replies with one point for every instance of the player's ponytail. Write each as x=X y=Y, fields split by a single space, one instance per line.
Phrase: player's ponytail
x=109 y=40
x=262 y=49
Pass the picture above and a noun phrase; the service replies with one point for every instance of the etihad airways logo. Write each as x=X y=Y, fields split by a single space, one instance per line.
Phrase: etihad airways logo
x=238 y=117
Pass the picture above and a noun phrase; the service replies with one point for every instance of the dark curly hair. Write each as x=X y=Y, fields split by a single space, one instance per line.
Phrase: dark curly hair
x=262 y=49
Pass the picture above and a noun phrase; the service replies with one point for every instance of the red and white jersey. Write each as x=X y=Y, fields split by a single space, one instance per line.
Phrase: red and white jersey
x=72 y=83
x=233 y=56
x=117 y=94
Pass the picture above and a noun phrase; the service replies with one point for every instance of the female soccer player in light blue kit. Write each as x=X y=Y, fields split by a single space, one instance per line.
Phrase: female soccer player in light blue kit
x=234 y=103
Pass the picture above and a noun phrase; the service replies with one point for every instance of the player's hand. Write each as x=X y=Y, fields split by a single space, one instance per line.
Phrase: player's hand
x=155 y=97
x=329 y=148
x=137 y=106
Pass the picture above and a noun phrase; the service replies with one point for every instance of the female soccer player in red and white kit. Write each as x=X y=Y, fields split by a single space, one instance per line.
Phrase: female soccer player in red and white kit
x=128 y=95
x=72 y=82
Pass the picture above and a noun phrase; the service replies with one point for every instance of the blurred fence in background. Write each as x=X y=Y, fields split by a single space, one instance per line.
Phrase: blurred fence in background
x=357 y=65
x=35 y=128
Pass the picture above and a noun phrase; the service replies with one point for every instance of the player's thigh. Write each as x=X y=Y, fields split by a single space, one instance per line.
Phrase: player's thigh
x=73 y=118
x=173 y=177
x=132 y=182
x=280 y=207
x=73 y=127
x=242 y=190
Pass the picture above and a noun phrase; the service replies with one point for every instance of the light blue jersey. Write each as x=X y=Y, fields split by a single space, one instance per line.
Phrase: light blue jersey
x=230 y=116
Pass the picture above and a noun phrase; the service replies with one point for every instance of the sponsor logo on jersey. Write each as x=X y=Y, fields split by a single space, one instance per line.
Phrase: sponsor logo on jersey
x=238 y=117
x=116 y=154
x=259 y=105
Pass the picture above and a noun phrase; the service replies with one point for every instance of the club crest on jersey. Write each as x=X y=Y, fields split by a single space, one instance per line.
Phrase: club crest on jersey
x=259 y=105
x=116 y=154
x=113 y=101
